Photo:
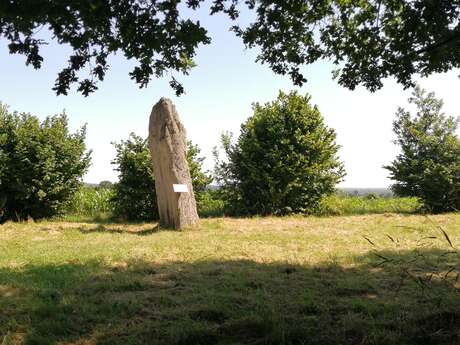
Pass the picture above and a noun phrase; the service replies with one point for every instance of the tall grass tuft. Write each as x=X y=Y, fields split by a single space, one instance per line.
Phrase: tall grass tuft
x=91 y=202
x=345 y=205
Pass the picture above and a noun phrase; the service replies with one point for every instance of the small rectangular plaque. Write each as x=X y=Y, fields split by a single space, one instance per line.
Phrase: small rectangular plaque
x=180 y=188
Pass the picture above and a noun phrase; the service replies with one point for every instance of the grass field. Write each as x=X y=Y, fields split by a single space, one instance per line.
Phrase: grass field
x=346 y=205
x=374 y=279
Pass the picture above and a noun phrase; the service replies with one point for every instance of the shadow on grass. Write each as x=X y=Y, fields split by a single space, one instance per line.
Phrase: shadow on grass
x=113 y=229
x=234 y=302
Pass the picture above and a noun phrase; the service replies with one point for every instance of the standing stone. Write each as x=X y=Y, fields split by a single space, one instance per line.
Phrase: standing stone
x=168 y=145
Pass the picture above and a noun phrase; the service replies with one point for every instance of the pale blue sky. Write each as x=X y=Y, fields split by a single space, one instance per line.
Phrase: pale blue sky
x=219 y=93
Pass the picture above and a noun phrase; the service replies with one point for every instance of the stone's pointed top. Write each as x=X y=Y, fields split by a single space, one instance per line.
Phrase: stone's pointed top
x=164 y=100
x=164 y=111
x=164 y=105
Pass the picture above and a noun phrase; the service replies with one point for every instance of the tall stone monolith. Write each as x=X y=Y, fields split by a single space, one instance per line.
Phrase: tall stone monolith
x=168 y=145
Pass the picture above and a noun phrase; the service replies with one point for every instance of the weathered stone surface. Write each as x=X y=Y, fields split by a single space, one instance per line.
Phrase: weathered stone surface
x=168 y=144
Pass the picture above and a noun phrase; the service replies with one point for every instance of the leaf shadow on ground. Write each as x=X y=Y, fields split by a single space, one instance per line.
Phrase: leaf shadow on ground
x=139 y=230
x=234 y=302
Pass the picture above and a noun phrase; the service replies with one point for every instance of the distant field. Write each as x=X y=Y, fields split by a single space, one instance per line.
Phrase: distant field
x=380 y=279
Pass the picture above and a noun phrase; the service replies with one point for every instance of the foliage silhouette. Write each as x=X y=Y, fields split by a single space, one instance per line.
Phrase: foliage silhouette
x=367 y=40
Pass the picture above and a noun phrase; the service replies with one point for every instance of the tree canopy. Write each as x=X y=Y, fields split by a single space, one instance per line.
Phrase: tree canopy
x=428 y=166
x=368 y=40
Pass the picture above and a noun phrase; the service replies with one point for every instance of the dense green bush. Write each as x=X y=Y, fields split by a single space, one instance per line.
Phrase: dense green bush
x=41 y=164
x=284 y=161
x=428 y=166
x=210 y=204
x=134 y=195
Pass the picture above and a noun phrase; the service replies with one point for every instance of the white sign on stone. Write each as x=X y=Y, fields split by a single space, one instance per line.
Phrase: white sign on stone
x=180 y=188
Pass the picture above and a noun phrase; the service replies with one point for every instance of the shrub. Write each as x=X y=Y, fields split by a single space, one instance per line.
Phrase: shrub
x=41 y=164
x=210 y=204
x=428 y=166
x=134 y=195
x=284 y=160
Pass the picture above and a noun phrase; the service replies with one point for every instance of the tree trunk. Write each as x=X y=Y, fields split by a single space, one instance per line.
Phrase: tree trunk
x=168 y=145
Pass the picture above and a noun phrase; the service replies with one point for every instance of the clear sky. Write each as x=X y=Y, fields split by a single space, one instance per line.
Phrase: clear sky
x=219 y=94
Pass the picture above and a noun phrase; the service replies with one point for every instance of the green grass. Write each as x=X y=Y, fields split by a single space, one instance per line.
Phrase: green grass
x=290 y=280
x=342 y=205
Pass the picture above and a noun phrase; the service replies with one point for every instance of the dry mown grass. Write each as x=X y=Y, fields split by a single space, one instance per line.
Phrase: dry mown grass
x=381 y=279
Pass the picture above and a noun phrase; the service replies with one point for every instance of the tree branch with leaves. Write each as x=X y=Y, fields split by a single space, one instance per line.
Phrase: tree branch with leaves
x=368 y=40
